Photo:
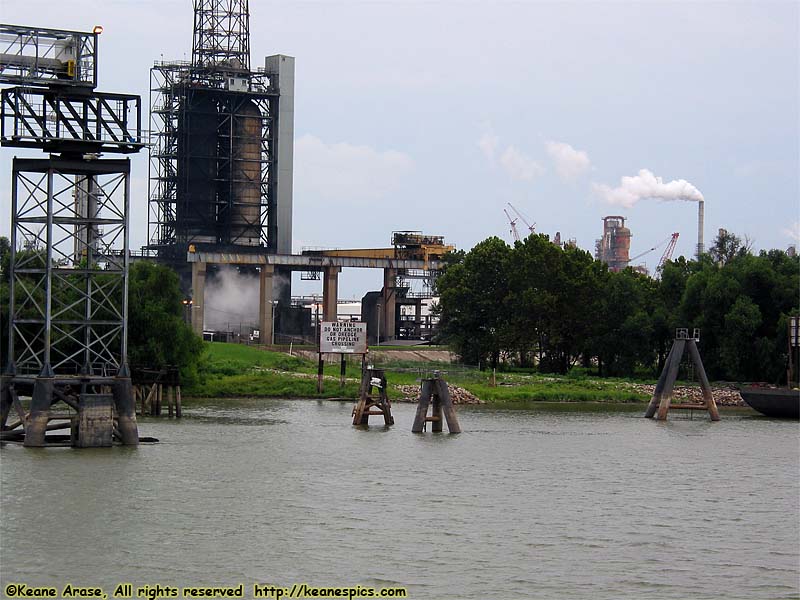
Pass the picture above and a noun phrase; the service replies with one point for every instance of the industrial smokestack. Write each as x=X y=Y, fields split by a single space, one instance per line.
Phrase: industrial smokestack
x=700 y=223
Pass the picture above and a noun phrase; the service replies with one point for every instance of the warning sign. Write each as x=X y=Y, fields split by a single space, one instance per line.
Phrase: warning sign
x=343 y=337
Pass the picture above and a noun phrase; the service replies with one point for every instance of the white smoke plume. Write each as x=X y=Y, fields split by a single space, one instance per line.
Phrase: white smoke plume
x=647 y=185
x=488 y=145
x=231 y=301
x=570 y=163
x=515 y=163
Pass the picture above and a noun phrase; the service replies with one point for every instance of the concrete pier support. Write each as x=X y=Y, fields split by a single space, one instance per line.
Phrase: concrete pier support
x=198 y=293
x=125 y=408
x=265 y=306
x=330 y=293
x=388 y=304
x=42 y=398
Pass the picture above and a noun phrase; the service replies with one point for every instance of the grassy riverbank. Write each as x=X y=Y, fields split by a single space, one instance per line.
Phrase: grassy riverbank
x=233 y=370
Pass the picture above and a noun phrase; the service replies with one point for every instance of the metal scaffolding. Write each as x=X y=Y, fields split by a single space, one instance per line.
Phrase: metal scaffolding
x=213 y=123
x=181 y=96
x=69 y=277
x=221 y=35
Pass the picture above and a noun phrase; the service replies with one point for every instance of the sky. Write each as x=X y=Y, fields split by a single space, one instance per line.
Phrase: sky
x=434 y=115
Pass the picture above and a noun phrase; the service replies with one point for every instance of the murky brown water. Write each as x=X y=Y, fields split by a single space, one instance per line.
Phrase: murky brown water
x=525 y=504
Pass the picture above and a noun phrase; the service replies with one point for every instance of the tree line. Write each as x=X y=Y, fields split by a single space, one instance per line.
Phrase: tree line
x=536 y=304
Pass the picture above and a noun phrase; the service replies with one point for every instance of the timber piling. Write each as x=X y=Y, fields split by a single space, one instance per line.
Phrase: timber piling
x=434 y=393
x=661 y=402
x=369 y=405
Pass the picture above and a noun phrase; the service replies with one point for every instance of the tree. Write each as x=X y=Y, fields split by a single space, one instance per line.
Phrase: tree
x=473 y=289
x=157 y=334
x=726 y=247
x=624 y=337
x=740 y=303
x=736 y=347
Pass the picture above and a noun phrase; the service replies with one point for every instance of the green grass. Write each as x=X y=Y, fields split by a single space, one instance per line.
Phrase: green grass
x=234 y=359
x=554 y=392
x=235 y=370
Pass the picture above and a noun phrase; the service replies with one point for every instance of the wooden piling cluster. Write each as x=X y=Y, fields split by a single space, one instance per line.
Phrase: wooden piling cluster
x=154 y=390
x=370 y=405
x=434 y=393
x=662 y=395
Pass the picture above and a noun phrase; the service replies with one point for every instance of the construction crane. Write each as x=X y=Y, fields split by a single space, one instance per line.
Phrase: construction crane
x=670 y=241
x=667 y=255
x=513 y=223
x=521 y=216
x=649 y=250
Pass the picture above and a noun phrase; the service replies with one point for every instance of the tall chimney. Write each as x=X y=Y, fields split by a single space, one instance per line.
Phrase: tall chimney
x=700 y=219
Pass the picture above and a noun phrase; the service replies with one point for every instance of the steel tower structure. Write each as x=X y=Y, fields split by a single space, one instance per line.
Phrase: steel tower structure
x=218 y=132
x=67 y=338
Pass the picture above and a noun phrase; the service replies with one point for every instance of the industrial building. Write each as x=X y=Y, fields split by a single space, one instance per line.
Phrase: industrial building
x=221 y=167
x=222 y=137
x=615 y=245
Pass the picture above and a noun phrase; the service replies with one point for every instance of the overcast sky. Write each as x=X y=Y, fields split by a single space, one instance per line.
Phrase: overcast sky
x=433 y=115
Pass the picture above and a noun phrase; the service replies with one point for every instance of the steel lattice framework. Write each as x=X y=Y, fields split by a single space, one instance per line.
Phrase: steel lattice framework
x=197 y=112
x=62 y=119
x=174 y=86
x=39 y=56
x=221 y=38
x=70 y=257
x=69 y=235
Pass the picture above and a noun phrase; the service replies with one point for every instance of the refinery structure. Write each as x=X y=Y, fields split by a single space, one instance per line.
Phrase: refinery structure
x=222 y=142
x=221 y=168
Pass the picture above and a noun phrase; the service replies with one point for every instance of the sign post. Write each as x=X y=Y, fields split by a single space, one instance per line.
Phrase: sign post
x=340 y=337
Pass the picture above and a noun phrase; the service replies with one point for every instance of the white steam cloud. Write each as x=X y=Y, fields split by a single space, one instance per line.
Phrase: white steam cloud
x=570 y=163
x=793 y=231
x=646 y=185
x=488 y=145
x=520 y=166
x=231 y=301
x=347 y=173
x=515 y=163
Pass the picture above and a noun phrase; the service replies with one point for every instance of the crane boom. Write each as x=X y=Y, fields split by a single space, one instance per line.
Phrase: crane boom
x=648 y=251
x=521 y=216
x=513 y=223
x=668 y=251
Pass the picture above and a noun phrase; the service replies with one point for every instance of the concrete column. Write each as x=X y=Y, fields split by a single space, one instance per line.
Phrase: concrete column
x=389 y=302
x=42 y=398
x=198 y=293
x=418 y=317
x=265 y=307
x=279 y=228
x=330 y=293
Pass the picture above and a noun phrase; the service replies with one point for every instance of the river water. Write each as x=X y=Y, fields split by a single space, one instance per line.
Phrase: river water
x=532 y=503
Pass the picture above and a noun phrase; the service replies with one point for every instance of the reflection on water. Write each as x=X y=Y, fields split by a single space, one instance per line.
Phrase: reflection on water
x=549 y=502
